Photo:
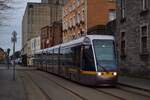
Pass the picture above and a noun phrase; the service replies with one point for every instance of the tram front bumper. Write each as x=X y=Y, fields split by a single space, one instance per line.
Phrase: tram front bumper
x=106 y=79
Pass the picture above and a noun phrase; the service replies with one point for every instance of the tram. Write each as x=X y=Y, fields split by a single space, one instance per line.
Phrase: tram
x=89 y=60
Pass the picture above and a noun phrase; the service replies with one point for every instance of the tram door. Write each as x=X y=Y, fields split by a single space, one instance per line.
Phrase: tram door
x=87 y=60
x=77 y=57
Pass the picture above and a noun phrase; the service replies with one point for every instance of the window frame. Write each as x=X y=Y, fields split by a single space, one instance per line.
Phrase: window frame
x=144 y=5
x=112 y=12
x=141 y=36
x=122 y=39
x=123 y=9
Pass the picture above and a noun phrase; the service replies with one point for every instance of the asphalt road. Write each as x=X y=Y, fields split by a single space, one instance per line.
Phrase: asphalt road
x=52 y=87
x=31 y=84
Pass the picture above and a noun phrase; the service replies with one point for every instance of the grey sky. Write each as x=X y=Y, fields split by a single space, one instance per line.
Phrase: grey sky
x=11 y=19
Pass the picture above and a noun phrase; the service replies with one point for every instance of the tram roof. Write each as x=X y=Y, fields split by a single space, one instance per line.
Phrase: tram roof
x=77 y=41
x=91 y=37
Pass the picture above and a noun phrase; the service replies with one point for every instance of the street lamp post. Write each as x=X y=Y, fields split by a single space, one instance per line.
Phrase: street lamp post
x=14 y=40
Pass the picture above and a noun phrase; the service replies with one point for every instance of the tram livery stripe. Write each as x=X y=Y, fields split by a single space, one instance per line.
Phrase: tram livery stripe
x=88 y=72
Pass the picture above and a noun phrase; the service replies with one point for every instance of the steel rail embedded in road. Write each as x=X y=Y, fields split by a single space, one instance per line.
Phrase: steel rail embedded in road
x=83 y=98
x=109 y=93
x=118 y=97
x=43 y=92
x=135 y=92
x=69 y=90
x=138 y=88
x=124 y=90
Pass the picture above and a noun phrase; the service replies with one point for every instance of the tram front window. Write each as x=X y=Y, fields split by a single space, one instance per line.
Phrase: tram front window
x=105 y=54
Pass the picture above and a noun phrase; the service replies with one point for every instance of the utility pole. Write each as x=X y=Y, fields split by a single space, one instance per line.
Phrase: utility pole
x=14 y=40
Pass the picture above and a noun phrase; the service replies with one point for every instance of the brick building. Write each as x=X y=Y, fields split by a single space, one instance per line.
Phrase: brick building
x=133 y=36
x=51 y=35
x=80 y=15
x=45 y=36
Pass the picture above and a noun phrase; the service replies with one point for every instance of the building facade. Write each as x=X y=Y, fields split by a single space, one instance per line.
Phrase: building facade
x=2 y=55
x=37 y=15
x=35 y=44
x=51 y=35
x=46 y=37
x=81 y=15
x=133 y=36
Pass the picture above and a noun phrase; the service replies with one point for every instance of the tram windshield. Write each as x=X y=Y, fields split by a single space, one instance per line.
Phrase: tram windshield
x=105 y=54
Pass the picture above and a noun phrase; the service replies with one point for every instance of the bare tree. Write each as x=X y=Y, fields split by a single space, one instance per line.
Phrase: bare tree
x=4 y=6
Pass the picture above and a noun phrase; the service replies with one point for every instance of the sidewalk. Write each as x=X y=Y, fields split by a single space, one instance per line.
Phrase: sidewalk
x=143 y=84
x=11 y=89
x=17 y=67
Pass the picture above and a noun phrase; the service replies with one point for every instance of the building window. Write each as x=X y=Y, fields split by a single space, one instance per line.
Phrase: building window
x=122 y=9
x=70 y=23
x=74 y=5
x=83 y=15
x=78 y=18
x=112 y=14
x=78 y=2
x=73 y=20
x=144 y=38
x=64 y=13
x=144 y=5
x=123 y=45
x=70 y=7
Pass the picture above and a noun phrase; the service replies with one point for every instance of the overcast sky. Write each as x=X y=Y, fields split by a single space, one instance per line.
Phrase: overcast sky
x=11 y=19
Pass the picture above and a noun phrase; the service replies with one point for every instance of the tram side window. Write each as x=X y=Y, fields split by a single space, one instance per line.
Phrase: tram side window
x=61 y=57
x=88 y=59
x=55 y=55
x=44 y=58
x=50 y=57
x=76 y=56
x=40 y=59
x=68 y=57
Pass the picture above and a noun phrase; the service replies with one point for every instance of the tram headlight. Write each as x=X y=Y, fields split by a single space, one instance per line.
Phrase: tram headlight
x=115 y=73
x=99 y=73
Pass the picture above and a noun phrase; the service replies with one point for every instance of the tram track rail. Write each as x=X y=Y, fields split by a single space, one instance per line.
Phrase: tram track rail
x=111 y=94
x=138 y=88
x=43 y=92
x=133 y=89
x=69 y=90
x=97 y=89
x=83 y=98
x=124 y=90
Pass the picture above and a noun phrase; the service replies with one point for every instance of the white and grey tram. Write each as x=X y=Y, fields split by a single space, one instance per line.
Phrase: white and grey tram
x=89 y=60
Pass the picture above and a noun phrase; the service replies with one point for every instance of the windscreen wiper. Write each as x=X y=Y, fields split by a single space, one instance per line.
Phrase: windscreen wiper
x=104 y=69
